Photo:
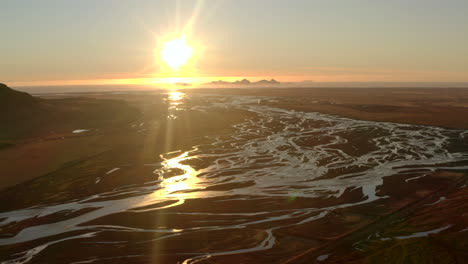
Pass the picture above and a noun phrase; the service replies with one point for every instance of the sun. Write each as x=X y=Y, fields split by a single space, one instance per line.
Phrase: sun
x=176 y=52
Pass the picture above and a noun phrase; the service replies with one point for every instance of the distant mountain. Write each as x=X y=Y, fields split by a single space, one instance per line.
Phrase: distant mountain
x=182 y=84
x=218 y=83
x=270 y=82
x=243 y=82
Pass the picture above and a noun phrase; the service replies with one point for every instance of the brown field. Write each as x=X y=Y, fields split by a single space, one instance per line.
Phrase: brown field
x=53 y=168
x=445 y=107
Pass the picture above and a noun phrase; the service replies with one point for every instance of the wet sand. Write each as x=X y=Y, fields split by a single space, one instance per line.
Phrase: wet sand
x=445 y=107
x=44 y=152
x=241 y=179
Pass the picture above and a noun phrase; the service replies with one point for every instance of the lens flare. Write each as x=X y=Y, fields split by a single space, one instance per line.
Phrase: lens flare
x=176 y=52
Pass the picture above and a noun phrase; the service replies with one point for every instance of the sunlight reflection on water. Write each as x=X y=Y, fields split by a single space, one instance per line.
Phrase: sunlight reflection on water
x=175 y=99
x=178 y=186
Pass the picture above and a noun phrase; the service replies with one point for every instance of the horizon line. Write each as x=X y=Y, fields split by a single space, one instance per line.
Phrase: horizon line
x=203 y=81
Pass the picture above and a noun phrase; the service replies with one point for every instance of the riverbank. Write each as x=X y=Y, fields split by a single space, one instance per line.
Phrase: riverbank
x=444 y=107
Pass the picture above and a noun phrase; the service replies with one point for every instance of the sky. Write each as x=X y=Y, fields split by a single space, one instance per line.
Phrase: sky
x=118 y=41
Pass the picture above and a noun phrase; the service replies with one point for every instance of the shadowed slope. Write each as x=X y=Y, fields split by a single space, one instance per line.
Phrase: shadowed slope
x=24 y=116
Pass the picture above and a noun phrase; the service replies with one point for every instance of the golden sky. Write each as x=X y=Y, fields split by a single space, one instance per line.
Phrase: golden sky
x=123 y=42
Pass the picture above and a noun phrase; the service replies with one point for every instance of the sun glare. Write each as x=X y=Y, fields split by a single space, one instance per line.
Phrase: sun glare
x=176 y=52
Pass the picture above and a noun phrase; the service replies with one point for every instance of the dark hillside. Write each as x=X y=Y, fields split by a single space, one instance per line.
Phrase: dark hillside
x=24 y=116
